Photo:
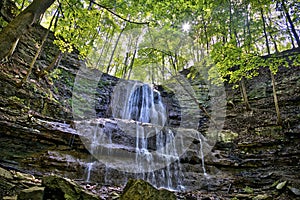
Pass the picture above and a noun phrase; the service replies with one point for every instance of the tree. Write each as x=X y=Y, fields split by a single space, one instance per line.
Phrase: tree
x=272 y=70
x=11 y=34
x=289 y=19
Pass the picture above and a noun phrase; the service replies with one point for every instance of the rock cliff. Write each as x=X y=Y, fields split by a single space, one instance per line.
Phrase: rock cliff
x=252 y=157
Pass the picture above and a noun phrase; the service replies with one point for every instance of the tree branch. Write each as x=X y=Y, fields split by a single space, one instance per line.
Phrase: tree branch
x=117 y=15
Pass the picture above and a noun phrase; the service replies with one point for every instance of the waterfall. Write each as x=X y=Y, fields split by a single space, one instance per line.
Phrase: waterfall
x=143 y=104
x=201 y=154
x=138 y=143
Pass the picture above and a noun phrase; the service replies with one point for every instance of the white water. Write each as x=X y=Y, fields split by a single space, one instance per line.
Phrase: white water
x=201 y=154
x=142 y=104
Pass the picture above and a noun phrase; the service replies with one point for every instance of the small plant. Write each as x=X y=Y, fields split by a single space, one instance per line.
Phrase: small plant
x=248 y=190
x=56 y=74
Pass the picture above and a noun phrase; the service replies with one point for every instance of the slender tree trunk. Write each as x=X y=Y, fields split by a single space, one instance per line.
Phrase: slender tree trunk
x=248 y=21
x=117 y=66
x=279 y=121
x=114 y=49
x=54 y=63
x=163 y=66
x=172 y=63
x=271 y=36
x=131 y=64
x=265 y=31
x=24 y=80
x=133 y=57
x=20 y=25
x=290 y=34
x=205 y=33
x=244 y=94
x=103 y=48
x=290 y=22
x=230 y=19
x=22 y=6
x=124 y=70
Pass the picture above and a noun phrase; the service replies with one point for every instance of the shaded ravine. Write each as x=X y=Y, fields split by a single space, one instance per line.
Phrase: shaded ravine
x=38 y=135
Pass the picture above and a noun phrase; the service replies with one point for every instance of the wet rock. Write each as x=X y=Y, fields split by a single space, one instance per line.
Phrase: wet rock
x=261 y=197
x=142 y=190
x=57 y=188
x=281 y=185
x=35 y=193
x=10 y=197
x=227 y=136
x=5 y=174
x=295 y=191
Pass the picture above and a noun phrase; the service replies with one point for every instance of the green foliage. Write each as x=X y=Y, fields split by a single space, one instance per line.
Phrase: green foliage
x=3 y=23
x=232 y=63
x=231 y=32
x=56 y=73
x=248 y=190
x=274 y=63
x=75 y=29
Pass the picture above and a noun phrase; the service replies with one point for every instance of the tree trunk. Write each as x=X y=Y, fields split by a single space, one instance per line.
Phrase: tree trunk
x=230 y=19
x=289 y=33
x=244 y=94
x=20 y=25
x=279 y=121
x=124 y=70
x=131 y=64
x=113 y=52
x=54 y=63
x=248 y=22
x=103 y=48
x=290 y=22
x=24 y=80
x=265 y=31
x=163 y=66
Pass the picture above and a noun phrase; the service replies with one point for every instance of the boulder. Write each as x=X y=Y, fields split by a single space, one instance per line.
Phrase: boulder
x=59 y=188
x=142 y=190
x=295 y=191
x=281 y=185
x=35 y=193
x=5 y=174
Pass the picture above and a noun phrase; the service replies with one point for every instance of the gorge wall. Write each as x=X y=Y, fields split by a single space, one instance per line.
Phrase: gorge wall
x=38 y=135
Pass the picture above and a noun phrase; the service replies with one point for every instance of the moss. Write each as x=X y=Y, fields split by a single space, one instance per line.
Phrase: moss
x=248 y=190
x=16 y=100
x=64 y=188
x=142 y=190
x=272 y=131
x=45 y=107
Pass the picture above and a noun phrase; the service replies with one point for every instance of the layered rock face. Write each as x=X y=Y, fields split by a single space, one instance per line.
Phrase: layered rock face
x=39 y=136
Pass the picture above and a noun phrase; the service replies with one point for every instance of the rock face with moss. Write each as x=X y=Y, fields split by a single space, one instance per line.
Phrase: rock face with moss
x=37 y=134
x=142 y=190
x=57 y=188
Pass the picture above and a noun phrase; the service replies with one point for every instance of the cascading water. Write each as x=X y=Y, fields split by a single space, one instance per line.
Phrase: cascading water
x=143 y=104
x=138 y=141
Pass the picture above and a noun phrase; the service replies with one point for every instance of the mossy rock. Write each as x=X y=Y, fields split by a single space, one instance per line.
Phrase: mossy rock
x=6 y=174
x=59 y=188
x=142 y=190
x=35 y=193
